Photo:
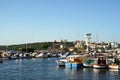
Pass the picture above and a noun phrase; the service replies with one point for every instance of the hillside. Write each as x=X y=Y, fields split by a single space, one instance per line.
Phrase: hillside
x=37 y=46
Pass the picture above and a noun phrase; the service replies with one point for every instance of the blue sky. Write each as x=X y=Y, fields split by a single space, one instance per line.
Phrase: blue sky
x=25 y=21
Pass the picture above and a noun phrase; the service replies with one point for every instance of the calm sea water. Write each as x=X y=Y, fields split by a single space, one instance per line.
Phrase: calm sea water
x=47 y=69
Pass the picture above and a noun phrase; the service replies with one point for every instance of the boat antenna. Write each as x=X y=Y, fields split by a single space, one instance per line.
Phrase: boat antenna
x=97 y=39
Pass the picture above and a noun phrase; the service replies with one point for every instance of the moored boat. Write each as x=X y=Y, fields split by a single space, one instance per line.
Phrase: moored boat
x=89 y=62
x=115 y=64
x=74 y=61
x=101 y=62
x=13 y=57
x=61 y=62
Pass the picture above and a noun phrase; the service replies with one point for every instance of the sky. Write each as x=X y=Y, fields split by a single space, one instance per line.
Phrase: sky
x=27 y=21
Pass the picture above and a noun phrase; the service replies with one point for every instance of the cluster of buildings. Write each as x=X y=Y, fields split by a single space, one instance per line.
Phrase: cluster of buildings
x=88 y=46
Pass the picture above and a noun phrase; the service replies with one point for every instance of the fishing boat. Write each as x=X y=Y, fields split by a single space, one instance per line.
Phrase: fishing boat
x=101 y=62
x=89 y=62
x=115 y=64
x=74 y=61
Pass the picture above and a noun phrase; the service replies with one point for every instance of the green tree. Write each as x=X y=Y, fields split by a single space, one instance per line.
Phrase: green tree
x=27 y=50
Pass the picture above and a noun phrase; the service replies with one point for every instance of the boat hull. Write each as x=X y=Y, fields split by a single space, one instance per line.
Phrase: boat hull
x=77 y=65
x=99 y=66
x=114 y=66
x=87 y=65
x=68 y=64
x=60 y=63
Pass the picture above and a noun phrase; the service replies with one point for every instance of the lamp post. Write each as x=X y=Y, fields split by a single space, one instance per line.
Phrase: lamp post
x=88 y=40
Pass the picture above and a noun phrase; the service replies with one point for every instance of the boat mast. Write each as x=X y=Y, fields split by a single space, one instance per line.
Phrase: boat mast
x=97 y=39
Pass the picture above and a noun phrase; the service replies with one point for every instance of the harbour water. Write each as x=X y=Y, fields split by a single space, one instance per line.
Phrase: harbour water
x=47 y=69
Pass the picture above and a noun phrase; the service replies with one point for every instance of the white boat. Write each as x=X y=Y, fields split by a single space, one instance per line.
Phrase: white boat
x=114 y=66
x=98 y=66
x=101 y=62
x=89 y=62
x=61 y=62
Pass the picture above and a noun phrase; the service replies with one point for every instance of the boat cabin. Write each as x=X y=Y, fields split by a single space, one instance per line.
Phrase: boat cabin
x=101 y=60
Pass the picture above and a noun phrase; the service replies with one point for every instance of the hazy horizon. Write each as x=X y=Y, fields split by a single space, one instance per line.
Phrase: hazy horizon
x=29 y=21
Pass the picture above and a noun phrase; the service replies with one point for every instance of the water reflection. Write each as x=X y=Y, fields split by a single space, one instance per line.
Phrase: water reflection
x=100 y=71
x=114 y=71
x=60 y=68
